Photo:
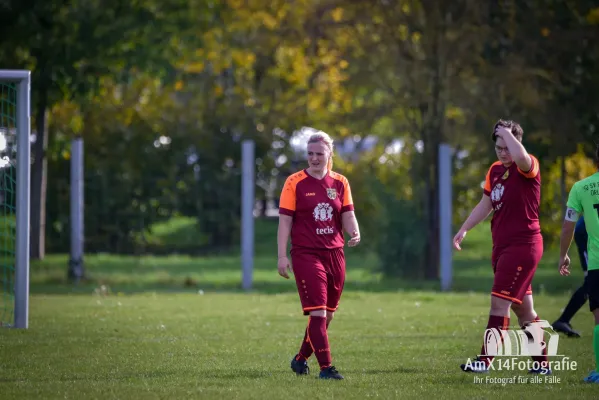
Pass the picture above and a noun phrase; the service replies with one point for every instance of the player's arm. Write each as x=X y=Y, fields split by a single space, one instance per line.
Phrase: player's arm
x=519 y=154
x=350 y=225
x=573 y=212
x=567 y=233
x=477 y=215
x=287 y=206
x=283 y=233
x=349 y=222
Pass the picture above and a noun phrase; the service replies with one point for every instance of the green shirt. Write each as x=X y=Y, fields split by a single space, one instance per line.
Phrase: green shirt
x=584 y=198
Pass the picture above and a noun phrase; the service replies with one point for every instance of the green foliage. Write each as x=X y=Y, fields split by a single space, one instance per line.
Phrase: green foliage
x=402 y=248
x=555 y=188
x=388 y=209
x=203 y=75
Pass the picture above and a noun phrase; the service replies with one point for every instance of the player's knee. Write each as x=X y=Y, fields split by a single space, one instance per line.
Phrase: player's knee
x=500 y=306
x=524 y=313
x=318 y=313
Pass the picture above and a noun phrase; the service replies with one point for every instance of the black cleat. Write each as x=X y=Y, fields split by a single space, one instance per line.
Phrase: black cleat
x=565 y=327
x=300 y=367
x=477 y=366
x=330 y=373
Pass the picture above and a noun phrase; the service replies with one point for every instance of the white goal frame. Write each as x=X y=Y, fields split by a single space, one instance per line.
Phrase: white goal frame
x=22 y=78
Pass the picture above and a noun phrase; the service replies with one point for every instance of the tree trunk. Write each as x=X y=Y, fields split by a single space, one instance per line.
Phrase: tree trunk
x=39 y=178
x=431 y=271
x=435 y=137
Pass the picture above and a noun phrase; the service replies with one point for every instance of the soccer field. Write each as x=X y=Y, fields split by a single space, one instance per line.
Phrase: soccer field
x=179 y=327
x=238 y=346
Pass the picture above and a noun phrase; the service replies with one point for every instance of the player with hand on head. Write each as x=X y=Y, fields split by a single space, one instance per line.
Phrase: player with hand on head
x=512 y=191
x=315 y=208
x=562 y=324
x=584 y=200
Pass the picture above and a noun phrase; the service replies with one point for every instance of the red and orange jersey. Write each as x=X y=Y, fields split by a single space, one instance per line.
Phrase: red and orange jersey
x=316 y=206
x=516 y=197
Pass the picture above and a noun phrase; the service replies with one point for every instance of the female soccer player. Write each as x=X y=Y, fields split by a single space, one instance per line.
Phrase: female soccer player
x=584 y=199
x=512 y=191
x=315 y=207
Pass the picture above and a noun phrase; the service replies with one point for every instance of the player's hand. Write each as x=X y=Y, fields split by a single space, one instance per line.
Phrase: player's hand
x=564 y=266
x=457 y=239
x=502 y=131
x=355 y=239
x=284 y=267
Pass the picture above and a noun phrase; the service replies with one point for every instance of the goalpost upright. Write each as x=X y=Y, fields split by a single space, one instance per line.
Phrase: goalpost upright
x=21 y=79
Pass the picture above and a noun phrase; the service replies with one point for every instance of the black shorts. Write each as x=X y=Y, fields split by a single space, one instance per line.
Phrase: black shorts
x=591 y=285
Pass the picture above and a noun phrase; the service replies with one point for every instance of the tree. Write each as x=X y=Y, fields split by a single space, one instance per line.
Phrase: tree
x=69 y=45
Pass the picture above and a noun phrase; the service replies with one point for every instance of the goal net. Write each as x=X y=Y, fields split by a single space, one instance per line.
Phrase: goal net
x=14 y=197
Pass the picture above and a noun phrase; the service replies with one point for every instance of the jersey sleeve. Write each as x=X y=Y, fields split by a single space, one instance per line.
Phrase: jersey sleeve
x=348 y=202
x=287 y=200
x=534 y=168
x=574 y=199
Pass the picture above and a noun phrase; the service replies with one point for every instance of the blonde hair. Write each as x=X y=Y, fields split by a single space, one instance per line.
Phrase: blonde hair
x=323 y=137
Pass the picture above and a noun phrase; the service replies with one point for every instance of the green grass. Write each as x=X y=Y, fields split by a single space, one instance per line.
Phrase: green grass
x=7 y=266
x=180 y=327
x=211 y=346
x=472 y=269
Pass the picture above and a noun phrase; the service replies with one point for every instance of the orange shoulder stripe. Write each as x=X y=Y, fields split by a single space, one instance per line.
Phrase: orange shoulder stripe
x=488 y=177
x=534 y=169
x=347 y=197
x=287 y=200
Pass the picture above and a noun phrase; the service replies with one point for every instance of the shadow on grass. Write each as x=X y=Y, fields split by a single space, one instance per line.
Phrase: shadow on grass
x=472 y=272
x=541 y=285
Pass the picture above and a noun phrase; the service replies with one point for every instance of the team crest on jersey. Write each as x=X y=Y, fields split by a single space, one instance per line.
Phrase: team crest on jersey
x=507 y=173
x=497 y=192
x=332 y=193
x=323 y=212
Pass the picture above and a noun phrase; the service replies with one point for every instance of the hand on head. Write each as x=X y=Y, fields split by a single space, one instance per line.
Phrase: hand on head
x=501 y=131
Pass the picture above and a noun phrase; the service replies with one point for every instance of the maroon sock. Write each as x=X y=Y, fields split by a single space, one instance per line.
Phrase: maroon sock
x=317 y=335
x=306 y=348
x=498 y=322
x=543 y=360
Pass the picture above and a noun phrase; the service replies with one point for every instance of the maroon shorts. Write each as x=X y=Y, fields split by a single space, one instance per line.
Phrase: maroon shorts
x=514 y=267
x=320 y=276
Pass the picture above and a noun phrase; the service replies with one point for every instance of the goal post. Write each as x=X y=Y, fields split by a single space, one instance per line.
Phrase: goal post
x=15 y=162
x=445 y=216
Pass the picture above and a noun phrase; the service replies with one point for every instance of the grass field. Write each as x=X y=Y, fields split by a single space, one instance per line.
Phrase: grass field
x=180 y=327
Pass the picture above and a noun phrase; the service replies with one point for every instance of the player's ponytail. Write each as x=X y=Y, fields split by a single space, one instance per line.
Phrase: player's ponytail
x=321 y=136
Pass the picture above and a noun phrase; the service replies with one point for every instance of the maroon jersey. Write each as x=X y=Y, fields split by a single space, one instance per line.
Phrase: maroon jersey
x=516 y=196
x=316 y=206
